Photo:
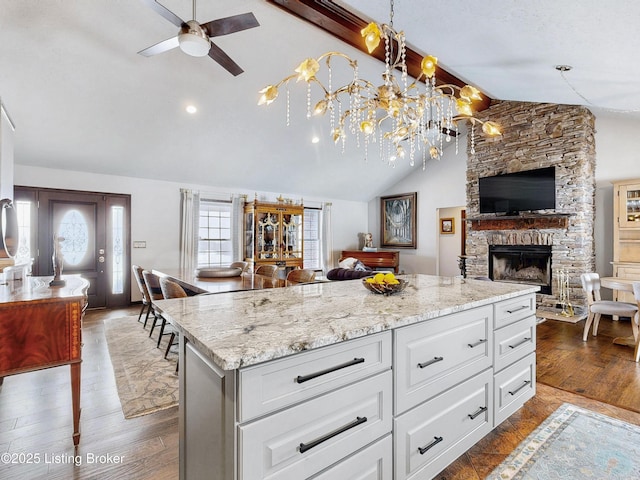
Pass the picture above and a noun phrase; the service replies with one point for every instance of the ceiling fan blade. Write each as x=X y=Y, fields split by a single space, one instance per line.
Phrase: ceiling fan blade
x=160 y=47
x=224 y=60
x=235 y=23
x=165 y=12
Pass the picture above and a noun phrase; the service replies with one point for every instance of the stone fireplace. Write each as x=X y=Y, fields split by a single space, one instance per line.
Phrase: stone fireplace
x=535 y=136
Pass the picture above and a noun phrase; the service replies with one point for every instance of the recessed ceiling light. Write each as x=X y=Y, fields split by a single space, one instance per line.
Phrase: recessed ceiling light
x=191 y=109
x=315 y=140
x=563 y=68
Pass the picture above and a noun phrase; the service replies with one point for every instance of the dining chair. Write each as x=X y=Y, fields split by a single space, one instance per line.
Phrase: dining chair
x=243 y=265
x=170 y=289
x=155 y=293
x=301 y=275
x=597 y=307
x=146 y=303
x=267 y=270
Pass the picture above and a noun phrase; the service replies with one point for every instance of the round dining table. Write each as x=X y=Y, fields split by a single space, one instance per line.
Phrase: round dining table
x=625 y=285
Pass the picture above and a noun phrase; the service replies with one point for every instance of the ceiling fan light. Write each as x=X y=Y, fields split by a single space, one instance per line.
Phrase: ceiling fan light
x=193 y=44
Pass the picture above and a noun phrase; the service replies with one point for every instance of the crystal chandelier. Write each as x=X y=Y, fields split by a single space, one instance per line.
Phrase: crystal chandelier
x=399 y=114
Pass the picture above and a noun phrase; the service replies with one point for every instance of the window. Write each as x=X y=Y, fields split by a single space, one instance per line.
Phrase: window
x=24 y=212
x=214 y=234
x=312 y=241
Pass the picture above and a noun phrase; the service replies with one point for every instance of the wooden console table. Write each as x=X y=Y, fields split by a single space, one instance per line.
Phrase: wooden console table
x=41 y=327
x=381 y=258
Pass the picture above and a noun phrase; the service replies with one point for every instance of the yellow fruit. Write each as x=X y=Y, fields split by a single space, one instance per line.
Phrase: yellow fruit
x=369 y=280
x=395 y=281
x=378 y=278
x=389 y=277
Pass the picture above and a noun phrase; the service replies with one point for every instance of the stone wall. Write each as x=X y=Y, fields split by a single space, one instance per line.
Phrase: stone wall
x=537 y=136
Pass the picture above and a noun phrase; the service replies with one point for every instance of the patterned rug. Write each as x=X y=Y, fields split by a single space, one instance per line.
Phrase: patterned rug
x=574 y=443
x=146 y=382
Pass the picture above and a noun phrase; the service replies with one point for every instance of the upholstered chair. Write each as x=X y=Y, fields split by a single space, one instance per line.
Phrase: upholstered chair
x=146 y=302
x=243 y=265
x=596 y=306
x=171 y=289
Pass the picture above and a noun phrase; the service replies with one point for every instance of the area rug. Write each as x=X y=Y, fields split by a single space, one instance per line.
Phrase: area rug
x=146 y=382
x=574 y=443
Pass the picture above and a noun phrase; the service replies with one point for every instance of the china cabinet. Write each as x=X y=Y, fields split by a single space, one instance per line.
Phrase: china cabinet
x=273 y=234
x=626 y=233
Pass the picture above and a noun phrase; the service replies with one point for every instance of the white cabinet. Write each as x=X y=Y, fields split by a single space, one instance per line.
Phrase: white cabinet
x=431 y=436
x=274 y=385
x=440 y=353
x=396 y=405
x=302 y=440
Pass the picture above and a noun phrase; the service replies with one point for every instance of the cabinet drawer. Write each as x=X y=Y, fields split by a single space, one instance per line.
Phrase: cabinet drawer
x=431 y=436
x=303 y=440
x=274 y=385
x=514 y=309
x=513 y=386
x=437 y=354
x=514 y=342
x=373 y=463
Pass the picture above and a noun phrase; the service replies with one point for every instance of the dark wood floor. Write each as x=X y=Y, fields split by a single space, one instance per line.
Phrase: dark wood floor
x=35 y=410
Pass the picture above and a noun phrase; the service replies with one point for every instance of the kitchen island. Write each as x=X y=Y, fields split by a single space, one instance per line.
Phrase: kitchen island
x=329 y=380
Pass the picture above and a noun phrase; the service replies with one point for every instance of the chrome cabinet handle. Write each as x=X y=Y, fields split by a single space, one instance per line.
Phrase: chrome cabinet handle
x=524 y=340
x=430 y=362
x=523 y=307
x=480 y=410
x=423 y=450
x=526 y=382
x=479 y=342
x=314 y=443
x=311 y=376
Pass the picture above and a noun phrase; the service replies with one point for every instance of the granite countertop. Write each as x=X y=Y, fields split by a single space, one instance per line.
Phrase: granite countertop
x=245 y=328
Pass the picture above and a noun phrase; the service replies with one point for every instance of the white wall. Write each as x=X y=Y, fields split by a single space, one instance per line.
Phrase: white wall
x=449 y=245
x=443 y=184
x=155 y=211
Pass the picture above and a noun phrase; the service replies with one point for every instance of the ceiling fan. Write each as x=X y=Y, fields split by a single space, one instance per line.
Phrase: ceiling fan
x=194 y=38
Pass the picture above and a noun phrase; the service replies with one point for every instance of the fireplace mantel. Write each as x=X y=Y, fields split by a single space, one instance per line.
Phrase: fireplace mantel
x=521 y=222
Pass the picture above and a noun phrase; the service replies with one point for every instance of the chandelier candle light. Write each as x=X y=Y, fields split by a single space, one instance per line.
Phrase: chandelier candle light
x=397 y=114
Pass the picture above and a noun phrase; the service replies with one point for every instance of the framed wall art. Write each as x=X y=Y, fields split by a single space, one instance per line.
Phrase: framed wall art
x=399 y=221
x=447 y=226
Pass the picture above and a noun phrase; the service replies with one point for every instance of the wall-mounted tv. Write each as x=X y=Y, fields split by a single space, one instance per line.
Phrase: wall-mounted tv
x=517 y=192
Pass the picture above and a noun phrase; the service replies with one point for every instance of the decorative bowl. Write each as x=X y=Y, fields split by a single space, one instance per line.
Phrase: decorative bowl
x=217 y=272
x=385 y=288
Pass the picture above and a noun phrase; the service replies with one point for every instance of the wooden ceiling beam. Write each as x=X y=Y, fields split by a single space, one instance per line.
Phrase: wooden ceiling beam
x=346 y=26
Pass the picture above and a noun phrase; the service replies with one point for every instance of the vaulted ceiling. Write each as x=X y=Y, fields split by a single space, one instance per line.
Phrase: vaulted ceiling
x=83 y=99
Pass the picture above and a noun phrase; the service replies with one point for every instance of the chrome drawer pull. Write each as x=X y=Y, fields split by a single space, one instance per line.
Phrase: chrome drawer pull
x=479 y=342
x=523 y=307
x=480 y=410
x=423 y=450
x=524 y=340
x=526 y=382
x=431 y=362
x=314 y=443
x=311 y=376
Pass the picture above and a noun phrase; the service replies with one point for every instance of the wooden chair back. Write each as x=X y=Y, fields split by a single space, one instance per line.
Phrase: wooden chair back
x=301 y=275
x=267 y=270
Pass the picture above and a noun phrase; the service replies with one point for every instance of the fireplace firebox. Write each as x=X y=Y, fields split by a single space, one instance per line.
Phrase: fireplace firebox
x=528 y=264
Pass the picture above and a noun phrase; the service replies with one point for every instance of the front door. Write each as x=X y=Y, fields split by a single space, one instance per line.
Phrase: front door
x=93 y=229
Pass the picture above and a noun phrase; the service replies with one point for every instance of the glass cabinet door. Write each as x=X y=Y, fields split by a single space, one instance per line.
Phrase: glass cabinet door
x=630 y=206
x=267 y=235
x=292 y=236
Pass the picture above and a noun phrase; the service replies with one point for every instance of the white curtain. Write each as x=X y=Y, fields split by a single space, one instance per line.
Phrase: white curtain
x=237 y=225
x=327 y=239
x=189 y=213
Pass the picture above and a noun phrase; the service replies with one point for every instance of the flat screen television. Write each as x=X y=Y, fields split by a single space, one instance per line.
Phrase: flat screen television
x=517 y=192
